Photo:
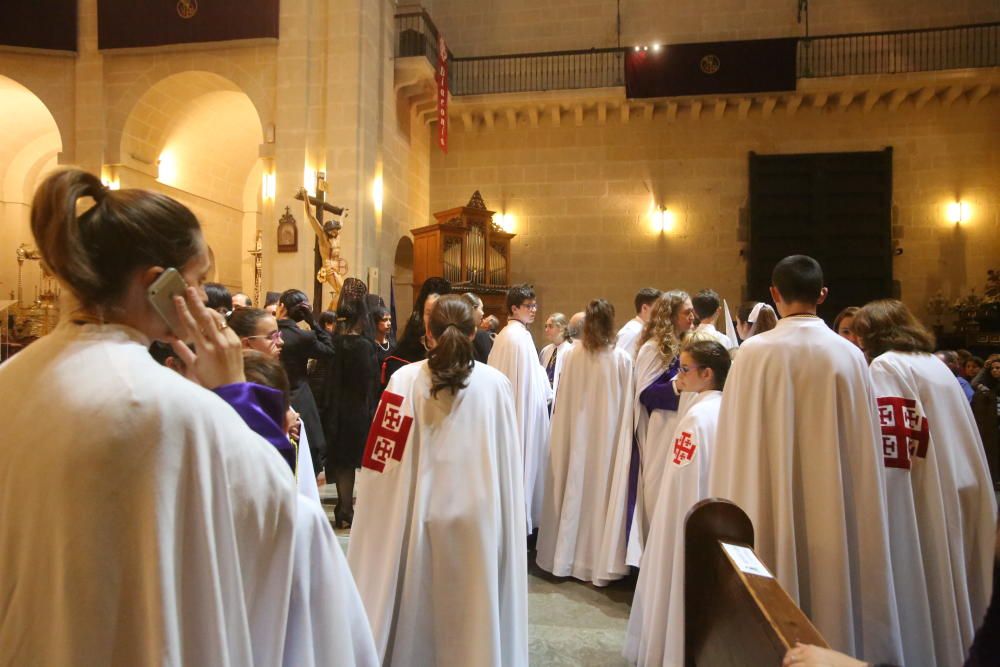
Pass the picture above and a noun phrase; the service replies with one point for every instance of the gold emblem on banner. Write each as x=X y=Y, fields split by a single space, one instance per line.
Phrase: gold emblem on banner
x=710 y=64
x=187 y=8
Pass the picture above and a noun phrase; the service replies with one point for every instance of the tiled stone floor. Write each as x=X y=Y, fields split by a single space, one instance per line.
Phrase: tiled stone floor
x=569 y=622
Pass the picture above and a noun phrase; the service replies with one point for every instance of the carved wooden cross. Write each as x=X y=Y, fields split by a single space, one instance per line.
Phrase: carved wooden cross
x=322 y=206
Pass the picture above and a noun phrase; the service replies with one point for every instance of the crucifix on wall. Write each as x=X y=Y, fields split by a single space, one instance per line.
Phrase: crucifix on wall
x=330 y=267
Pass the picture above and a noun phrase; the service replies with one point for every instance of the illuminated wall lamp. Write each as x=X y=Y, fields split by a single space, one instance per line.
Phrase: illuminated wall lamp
x=378 y=193
x=663 y=220
x=958 y=212
x=268 y=186
x=505 y=221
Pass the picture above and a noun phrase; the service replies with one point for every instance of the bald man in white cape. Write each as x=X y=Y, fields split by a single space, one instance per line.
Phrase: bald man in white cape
x=438 y=541
x=514 y=355
x=797 y=449
x=941 y=506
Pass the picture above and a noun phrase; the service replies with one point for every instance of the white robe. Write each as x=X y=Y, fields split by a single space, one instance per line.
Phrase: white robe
x=546 y=354
x=797 y=450
x=591 y=427
x=655 y=632
x=628 y=336
x=654 y=434
x=304 y=474
x=514 y=355
x=942 y=511
x=438 y=541
x=327 y=624
x=721 y=338
x=163 y=532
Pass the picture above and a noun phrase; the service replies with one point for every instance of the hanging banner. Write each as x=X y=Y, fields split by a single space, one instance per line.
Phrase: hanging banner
x=39 y=24
x=751 y=66
x=138 y=23
x=442 y=95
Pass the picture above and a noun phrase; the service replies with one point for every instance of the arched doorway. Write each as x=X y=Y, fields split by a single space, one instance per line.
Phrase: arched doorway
x=402 y=277
x=29 y=147
x=196 y=136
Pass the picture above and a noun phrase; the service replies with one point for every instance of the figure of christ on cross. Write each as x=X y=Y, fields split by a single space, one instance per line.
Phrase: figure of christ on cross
x=331 y=268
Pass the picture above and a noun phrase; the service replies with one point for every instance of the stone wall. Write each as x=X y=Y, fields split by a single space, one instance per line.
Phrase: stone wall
x=580 y=195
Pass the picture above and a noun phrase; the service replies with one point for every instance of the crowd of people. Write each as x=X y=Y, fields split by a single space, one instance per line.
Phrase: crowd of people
x=182 y=521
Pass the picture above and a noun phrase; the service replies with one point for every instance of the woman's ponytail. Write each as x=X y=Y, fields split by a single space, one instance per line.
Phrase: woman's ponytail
x=94 y=252
x=452 y=357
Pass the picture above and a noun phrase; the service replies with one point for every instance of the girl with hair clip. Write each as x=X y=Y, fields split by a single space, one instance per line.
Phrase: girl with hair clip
x=168 y=536
x=437 y=547
x=755 y=317
x=551 y=356
x=591 y=430
x=655 y=632
x=656 y=408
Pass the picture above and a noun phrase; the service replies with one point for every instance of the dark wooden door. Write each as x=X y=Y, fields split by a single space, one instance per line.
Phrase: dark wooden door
x=836 y=207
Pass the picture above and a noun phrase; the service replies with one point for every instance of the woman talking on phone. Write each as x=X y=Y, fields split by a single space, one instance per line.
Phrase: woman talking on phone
x=141 y=517
x=301 y=345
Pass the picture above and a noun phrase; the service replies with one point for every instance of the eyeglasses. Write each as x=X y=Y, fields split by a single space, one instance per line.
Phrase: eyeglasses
x=529 y=306
x=688 y=369
x=274 y=336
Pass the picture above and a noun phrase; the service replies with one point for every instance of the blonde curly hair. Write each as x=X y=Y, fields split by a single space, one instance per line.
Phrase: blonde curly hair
x=660 y=327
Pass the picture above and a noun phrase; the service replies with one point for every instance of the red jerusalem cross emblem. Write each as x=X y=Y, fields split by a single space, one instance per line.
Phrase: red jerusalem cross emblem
x=684 y=449
x=905 y=432
x=387 y=437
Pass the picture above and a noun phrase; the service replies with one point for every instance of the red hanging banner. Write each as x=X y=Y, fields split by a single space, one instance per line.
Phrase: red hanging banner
x=442 y=95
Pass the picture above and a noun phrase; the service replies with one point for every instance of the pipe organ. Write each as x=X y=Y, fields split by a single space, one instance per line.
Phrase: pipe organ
x=466 y=247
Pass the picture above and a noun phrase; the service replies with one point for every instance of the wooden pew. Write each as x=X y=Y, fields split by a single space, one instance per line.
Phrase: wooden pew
x=734 y=617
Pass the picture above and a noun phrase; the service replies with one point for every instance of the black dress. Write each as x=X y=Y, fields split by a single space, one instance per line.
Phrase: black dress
x=351 y=398
x=299 y=347
x=482 y=344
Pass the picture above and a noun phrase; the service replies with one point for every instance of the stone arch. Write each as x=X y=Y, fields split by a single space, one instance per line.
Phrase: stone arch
x=125 y=89
x=402 y=277
x=29 y=146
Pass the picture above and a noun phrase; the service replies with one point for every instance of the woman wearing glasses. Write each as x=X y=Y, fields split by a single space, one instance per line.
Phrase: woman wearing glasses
x=257 y=330
x=655 y=633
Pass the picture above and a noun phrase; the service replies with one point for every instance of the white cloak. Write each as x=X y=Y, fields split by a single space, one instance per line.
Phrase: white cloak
x=327 y=624
x=514 y=355
x=797 y=450
x=546 y=354
x=163 y=532
x=654 y=434
x=942 y=511
x=304 y=474
x=721 y=338
x=628 y=336
x=655 y=632
x=438 y=542
x=591 y=428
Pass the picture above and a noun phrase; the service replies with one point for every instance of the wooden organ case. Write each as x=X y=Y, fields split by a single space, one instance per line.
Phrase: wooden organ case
x=468 y=249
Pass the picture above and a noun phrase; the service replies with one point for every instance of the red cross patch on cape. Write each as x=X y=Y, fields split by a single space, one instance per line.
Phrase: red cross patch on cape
x=905 y=432
x=388 y=435
x=684 y=449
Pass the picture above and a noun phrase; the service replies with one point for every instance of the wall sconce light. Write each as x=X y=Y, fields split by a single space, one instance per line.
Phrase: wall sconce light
x=166 y=168
x=958 y=212
x=110 y=179
x=662 y=220
x=309 y=181
x=505 y=221
x=377 y=193
x=267 y=186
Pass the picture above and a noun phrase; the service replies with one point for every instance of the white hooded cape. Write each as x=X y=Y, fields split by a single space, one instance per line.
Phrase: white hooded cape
x=591 y=428
x=327 y=624
x=941 y=504
x=628 y=336
x=655 y=632
x=163 y=535
x=438 y=542
x=546 y=354
x=797 y=449
x=514 y=355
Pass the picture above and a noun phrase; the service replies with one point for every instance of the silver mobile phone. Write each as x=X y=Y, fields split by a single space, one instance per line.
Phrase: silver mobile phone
x=161 y=296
